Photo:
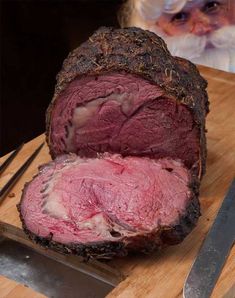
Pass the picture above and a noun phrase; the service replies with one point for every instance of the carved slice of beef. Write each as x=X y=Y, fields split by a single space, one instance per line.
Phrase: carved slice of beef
x=122 y=92
x=109 y=205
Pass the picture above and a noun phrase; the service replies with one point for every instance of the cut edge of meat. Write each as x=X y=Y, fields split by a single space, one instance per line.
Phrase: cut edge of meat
x=139 y=98
x=148 y=59
x=145 y=243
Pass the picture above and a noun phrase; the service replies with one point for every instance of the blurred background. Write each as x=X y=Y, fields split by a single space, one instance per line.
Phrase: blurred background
x=35 y=38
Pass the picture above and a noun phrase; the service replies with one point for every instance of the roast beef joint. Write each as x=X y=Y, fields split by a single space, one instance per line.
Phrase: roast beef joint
x=126 y=130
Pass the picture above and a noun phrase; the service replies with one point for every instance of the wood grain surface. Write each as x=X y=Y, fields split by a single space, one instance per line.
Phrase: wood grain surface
x=162 y=274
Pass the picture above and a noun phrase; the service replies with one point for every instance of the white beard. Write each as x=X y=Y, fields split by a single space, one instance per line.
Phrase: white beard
x=216 y=50
x=220 y=54
x=217 y=58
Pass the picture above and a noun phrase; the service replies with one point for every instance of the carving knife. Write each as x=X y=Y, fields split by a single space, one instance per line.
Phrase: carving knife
x=50 y=273
x=214 y=251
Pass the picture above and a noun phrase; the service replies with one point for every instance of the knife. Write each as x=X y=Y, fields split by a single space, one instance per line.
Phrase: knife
x=214 y=251
x=50 y=273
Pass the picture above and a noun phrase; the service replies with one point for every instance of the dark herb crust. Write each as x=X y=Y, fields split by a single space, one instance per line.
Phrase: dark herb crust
x=141 y=53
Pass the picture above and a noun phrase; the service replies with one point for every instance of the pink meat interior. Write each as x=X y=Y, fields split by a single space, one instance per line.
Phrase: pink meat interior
x=122 y=113
x=88 y=200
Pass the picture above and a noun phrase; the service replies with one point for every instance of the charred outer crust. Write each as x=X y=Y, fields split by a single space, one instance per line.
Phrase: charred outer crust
x=140 y=53
x=145 y=243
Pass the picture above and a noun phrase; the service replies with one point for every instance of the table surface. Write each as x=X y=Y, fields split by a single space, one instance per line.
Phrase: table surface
x=161 y=274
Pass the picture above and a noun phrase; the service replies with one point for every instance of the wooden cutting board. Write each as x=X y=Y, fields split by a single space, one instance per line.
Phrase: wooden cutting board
x=162 y=274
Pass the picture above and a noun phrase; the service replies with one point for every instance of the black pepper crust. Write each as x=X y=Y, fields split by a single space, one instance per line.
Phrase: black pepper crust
x=142 y=53
x=144 y=242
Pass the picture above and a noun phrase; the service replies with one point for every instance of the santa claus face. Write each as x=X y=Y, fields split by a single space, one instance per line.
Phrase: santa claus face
x=198 y=17
x=202 y=31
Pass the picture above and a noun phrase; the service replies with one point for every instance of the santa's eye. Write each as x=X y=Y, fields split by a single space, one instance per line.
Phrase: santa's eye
x=180 y=17
x=211 y=7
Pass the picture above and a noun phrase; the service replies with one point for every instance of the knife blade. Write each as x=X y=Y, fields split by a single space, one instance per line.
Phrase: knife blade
x=214 y=251
x=50 y=273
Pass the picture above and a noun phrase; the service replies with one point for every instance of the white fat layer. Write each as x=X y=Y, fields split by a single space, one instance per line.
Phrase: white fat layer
x=54 y=207
x=52 y=203
x=83 y=113
x=97 y=223
x=104 y=226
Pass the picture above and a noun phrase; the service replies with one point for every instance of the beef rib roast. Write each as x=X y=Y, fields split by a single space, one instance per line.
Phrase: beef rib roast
x=126 y=130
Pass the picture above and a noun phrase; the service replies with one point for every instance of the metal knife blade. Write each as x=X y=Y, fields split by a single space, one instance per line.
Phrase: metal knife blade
x=47 y=276
x=51 y=273
x=214 y=251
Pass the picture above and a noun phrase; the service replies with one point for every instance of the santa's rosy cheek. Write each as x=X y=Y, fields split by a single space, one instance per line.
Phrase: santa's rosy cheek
x=219 y=13
x=179 y=30
x=220 y=21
